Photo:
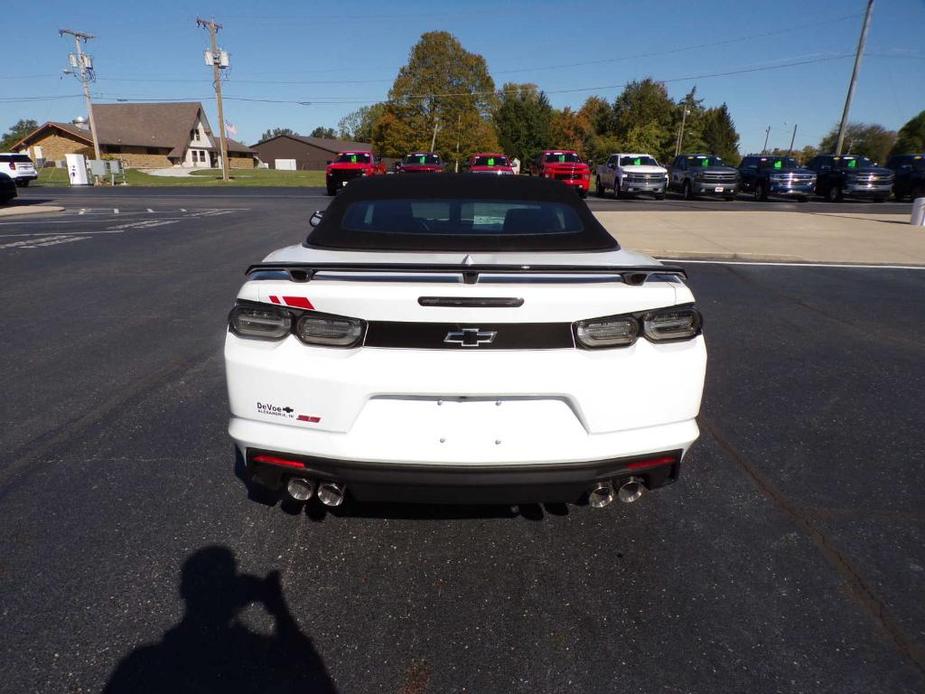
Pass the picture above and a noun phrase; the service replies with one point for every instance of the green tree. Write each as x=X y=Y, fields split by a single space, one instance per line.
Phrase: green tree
x=358 y=126
x=719 y=134
x=866 y=139
x=444 y=87
x=321 y=131
x=570 y=130
x=17 y=132
x=523 y=121
x=598 y=112
x=644 y=118
x=911 y=137
x=274 y=132
x=694 y=122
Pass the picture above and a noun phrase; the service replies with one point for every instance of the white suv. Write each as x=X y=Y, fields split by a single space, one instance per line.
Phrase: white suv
x=457 y=337
x=19 y=167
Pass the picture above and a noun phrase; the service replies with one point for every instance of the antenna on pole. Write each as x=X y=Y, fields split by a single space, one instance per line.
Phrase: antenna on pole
x=81 y=66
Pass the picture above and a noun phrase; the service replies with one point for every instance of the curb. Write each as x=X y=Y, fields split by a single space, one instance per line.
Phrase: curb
x=28 y=209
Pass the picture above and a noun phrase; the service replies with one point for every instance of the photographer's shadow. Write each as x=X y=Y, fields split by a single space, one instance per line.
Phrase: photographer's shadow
x=211 y=650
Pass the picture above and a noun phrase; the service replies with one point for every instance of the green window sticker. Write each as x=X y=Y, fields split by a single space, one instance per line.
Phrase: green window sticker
x=561 y=158
x=353 y=158
x=422 y=159
x=778 y=164
x=491 y=161
x=637 y=162
x=852 y=163
x=704 y=162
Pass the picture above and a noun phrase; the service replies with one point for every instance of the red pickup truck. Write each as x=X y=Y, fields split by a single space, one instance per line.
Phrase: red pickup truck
x=489 y=163
x=563 y=165
x=422 y=162
x=349 y=165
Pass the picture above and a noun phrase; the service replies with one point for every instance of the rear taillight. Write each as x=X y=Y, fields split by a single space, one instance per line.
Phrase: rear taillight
x=675 y=323
x=329 y=331
x=661 y=325
x=614 y=331
x=264 y=322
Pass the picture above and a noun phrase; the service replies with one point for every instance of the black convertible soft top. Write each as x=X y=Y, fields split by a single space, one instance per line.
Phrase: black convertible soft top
x=459 y=212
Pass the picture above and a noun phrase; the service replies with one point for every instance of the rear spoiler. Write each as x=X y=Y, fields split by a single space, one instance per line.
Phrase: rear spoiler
x=305 y=272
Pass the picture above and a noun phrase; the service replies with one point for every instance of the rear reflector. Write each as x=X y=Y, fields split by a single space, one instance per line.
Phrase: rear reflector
x=652 y=462
x=274 y=460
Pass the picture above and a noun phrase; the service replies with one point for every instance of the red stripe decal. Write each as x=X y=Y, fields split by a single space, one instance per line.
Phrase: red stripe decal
x=652 y=462
x=274 y=299
x=298 y=302
x=309 y=418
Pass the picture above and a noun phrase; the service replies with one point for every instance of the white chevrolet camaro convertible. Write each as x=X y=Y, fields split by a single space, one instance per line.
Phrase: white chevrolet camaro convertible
x=462 y=338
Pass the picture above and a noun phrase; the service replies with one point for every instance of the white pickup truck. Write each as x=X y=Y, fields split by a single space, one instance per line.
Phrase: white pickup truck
x=629 y=173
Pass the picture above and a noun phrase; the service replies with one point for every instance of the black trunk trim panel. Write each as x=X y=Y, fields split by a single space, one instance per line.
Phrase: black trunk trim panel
x=410 y=335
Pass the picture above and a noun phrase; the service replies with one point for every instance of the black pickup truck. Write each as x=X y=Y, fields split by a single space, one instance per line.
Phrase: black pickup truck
x=909 y=170
x=850 y=176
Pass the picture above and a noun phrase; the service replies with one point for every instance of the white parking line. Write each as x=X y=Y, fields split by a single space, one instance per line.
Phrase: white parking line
x=43 y=241
x=848 y=266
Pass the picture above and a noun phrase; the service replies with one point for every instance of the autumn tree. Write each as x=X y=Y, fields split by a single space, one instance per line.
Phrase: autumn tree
x=911 y=137
x=17 y=132
x=866 y=139
x=442 y=88
x=523 y=120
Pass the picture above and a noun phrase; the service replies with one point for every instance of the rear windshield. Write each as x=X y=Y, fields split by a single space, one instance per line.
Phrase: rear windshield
x=778 y=163
x=468 y=218
x=490 y=161
x=638 y=161
x=705 y=161
x=353 y=158
x=422 y=159
x=562 y=157
x=18 y=158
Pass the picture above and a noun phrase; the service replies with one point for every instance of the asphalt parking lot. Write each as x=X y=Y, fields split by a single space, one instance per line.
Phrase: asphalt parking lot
x=790 y=556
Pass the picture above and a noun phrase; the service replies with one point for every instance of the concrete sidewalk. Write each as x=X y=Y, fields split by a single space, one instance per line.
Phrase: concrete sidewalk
x=16 y=209
x=886 y=239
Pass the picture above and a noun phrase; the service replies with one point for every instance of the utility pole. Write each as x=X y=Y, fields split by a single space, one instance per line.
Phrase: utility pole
x=458 y=126
x=767 y=133
x=854 y=77
x=792 y=140
x=82 y=68
x=680 y=141
x=433 y=140
x=219 y=61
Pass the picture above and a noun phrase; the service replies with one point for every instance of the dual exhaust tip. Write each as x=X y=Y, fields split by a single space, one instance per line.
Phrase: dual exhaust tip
x=603 y=493
x=332 y=493
x=329 y=493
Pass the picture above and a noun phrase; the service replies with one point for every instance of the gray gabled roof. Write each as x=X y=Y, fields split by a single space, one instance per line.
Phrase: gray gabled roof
x=331 y=145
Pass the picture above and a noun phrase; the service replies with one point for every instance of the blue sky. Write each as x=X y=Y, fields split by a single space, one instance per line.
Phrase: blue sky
x=338 y=56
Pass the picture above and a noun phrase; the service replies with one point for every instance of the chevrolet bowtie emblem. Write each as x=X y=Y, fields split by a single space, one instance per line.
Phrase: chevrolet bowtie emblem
x=470 y=337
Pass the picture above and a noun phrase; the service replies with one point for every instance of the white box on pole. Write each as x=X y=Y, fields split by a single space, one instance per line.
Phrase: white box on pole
x=918 y=212
x=77 y=169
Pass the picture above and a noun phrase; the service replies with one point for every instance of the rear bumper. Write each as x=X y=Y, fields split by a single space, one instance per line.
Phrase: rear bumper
x=498 y=484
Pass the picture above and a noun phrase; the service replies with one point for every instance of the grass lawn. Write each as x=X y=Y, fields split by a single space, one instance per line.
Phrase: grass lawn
x=52 y=177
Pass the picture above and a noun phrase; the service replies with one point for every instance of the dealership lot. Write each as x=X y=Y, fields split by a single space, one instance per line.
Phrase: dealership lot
x=789 y=557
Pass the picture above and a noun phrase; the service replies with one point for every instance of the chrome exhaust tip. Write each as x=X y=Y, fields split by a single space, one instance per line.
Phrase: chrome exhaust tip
x=601 y=495
x=631 y=490
x=300 y=488
x=331 y=493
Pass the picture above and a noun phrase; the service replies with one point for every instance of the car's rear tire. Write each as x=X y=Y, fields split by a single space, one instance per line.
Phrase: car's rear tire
x=834 y=194
x=761 y=192
x=332 y=190
x=598 y=187
x=617 y=193
x=686 y=191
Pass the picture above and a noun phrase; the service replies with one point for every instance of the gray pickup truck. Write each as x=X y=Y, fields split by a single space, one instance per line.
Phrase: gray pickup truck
x=694 y=175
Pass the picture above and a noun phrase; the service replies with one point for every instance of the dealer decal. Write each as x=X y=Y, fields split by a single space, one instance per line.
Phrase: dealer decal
x=285 y=412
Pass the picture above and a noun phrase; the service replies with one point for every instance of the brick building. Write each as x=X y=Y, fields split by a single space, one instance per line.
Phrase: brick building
x=141 y=135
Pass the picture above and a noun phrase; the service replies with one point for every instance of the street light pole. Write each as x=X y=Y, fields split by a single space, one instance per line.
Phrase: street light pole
x=677 y=149
x=767 y=134
x=854 y=78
